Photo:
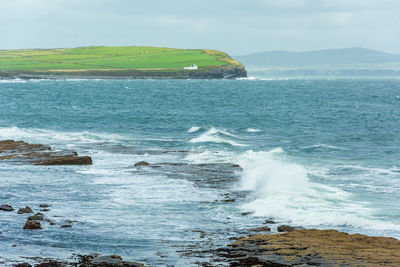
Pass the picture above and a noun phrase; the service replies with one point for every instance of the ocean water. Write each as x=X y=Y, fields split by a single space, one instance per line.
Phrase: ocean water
x=315 y=153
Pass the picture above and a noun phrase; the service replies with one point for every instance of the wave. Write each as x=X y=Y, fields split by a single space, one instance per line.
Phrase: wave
x=318 y=146
x=55 y=137
x=13 y=81
x=253 y=130
x=282 y=190
x=219 y=136
x=194 y=129
x=252 y=78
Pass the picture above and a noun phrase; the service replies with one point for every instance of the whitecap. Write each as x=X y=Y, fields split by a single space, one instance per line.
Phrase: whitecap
x=194 y=129
x=219 y=136
x=253 y=130
x=324 y=146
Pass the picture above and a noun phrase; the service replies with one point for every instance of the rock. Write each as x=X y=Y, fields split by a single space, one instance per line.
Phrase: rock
x=36 y=217
x=27 y=209
x=141 y=163
x=66 y=226
x=269 y=221
x=113 y=260
x=32 y=225
x=246 y=213
x=23 y=265
x=286 y=228
x=44 y=206
x=70 y=221
x=52 y=223
x=6 y=207
x=44 y=210
x=66 y=160
x=309 y=247
x=261 y=229
x=38 y=154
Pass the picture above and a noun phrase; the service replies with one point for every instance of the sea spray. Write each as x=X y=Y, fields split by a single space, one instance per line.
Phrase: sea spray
x=282 y=190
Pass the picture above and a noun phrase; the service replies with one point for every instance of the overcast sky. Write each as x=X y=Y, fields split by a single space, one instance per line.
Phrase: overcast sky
x=235 y=26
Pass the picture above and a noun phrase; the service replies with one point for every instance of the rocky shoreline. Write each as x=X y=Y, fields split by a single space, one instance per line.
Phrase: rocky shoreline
x=214 y=73
x=269 y=244
x=38 y=154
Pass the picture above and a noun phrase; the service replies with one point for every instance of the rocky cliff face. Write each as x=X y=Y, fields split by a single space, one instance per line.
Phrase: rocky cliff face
x=225 y=72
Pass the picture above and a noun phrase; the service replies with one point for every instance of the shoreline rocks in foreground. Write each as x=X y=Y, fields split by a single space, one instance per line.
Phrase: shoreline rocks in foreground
x=38 y=154
x=306 y=247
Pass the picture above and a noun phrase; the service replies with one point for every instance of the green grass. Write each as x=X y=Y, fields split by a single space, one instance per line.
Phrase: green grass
x=112 y=58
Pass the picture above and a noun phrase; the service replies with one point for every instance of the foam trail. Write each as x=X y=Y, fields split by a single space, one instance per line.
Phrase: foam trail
x=282 y=190
x=217 y=136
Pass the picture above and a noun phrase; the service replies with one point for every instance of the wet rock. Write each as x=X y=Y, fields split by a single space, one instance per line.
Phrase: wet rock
x=261 y=229
x=113 y=260
x=66 y=226
x=51 y=263
x=52 y=223
x=66 y=160
x=286 y=228
x=246 y=213
x=312 y=247
x=27 y=209
x=141 y=163
x=44 y=206
x=270 y=221
x=70 y=221
x=23 y=265
x=32 y=225
x=36 y=217
x=38 y=154
x=6 y=207
x=44 y=210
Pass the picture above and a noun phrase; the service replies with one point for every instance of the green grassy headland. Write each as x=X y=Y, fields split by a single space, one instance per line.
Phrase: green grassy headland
x=100 y=59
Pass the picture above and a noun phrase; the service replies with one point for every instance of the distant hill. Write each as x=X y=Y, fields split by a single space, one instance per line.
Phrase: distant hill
x=348 y=56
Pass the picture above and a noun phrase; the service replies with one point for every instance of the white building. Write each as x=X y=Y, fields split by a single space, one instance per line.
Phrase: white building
x=192 y=67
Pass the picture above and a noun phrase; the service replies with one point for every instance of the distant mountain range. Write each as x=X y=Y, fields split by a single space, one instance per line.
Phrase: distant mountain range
x=348 y=56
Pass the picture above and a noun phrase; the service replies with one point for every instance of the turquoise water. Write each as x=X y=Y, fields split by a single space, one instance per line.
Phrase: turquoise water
x=316 y=153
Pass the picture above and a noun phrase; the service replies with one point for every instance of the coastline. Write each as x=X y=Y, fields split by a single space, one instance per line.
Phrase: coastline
x=214 y=73
x=270 y=244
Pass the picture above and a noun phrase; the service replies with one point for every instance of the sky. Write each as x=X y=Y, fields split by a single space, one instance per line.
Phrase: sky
x=238 y=27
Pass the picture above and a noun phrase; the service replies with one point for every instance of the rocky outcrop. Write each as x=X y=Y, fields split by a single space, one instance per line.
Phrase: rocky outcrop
x=6 y=207
x=92 y=260
x=27 y=209
x=32 y=225
x=141 y=163
x=313 y=247
x=38 y=154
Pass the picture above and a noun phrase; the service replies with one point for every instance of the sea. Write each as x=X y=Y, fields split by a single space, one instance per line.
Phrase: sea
x=224 y=155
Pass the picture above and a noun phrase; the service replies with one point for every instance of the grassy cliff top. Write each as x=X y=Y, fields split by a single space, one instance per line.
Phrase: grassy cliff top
x=112 y=58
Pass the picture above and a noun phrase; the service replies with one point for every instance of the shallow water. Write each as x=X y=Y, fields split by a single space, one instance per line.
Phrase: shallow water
x=316 y=153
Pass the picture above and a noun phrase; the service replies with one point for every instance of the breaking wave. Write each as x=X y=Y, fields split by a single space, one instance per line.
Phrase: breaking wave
x=282 y=190
x=219 y=136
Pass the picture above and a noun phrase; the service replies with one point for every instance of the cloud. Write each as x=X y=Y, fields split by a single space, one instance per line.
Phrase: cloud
x=237 y=26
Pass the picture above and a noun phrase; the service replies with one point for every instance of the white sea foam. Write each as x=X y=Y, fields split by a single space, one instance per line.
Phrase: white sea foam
x=13 y=81
x=54 y=137
x=194 y=129
x=324 y=146
x=215 y=135
x=282 y=190
x=253 y=130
